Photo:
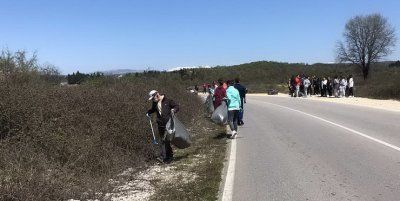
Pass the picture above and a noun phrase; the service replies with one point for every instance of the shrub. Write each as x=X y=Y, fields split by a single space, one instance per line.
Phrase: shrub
x=59 y=142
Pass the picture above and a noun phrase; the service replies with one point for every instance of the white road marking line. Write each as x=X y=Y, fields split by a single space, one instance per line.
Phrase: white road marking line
x=230 y=175
x=338 y=125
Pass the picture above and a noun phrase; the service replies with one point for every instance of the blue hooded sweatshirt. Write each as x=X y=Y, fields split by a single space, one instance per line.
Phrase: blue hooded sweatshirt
x=233 y=98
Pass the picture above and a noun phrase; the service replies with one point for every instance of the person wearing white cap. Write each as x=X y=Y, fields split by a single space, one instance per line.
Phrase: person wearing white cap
x=164 y=107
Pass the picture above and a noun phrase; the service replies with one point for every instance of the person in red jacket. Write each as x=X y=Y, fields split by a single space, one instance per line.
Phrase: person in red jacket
x=219 y=94
x=204 y=88
x=297 y=82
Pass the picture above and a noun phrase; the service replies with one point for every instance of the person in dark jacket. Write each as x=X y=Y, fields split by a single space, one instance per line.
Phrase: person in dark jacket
x=219 y=94
x=330 y=87
x=164 y=107
x=292 y=86
x=242 y=92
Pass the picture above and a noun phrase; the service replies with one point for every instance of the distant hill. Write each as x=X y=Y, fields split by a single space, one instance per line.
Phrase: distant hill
x=260 y=76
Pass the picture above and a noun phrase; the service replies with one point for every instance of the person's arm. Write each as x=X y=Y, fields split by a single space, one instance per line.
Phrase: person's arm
x=153 y=108
x=216 y=91
x=239 y=99
x=174 y=106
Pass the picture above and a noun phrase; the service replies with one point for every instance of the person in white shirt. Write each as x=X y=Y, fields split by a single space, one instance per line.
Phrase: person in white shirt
x=306 y=84
x=342 y=87
x=324 y=87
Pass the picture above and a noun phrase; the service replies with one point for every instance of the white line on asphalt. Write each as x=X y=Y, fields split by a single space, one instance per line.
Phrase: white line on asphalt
x=230 y=175
x=338 y=125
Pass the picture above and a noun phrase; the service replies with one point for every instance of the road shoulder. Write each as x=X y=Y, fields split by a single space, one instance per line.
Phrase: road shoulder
x=389 y=105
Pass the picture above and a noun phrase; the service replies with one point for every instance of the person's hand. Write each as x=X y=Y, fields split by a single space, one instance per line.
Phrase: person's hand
x=173 y=111
x=148 y=115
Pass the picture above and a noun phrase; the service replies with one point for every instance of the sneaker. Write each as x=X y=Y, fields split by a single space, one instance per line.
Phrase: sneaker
x=234 y=133
x=160 y=160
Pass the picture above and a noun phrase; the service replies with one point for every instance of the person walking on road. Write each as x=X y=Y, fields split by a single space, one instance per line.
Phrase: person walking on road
x=324 y=87
x=204 y=88
x=164 y=107
x=242 y=92
x=233 y=103
x=317 y=86
x=351 y=86
x=297 y=81
x=219 y=94
x=293 y=86
x=306 y=84
x=312 y=86
x=336 y=86
x=342 y=87
x=290 y=88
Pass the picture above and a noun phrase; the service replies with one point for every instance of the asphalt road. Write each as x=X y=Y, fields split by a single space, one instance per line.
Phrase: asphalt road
x=298 y=149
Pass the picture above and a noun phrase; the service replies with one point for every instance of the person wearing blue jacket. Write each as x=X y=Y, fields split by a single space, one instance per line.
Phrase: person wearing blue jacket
x=234 y=104
x=242 y=92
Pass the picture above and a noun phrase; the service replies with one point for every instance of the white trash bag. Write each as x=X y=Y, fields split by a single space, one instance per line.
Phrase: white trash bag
x=220 y=115
x=177 y=133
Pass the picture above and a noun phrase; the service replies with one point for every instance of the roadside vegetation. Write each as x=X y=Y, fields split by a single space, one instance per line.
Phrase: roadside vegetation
x=198 y=169
x=66 y=142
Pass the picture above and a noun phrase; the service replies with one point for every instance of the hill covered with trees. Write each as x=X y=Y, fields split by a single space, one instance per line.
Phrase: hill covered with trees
x=383 y=81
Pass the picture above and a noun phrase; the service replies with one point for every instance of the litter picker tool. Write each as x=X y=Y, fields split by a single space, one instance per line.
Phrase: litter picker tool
x=152 y=131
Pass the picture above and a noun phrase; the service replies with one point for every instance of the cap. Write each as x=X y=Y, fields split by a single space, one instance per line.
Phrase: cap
x=152 y=93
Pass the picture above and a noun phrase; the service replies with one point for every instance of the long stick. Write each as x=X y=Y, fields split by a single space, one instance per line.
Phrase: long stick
x=152 y=131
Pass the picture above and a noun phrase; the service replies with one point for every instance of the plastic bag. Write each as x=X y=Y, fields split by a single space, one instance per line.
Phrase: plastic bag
x=209 y=104
x=170 y=130
x=177 y=133
x=220 y=115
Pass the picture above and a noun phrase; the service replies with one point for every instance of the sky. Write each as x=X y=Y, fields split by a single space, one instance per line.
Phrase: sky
x=97 y=35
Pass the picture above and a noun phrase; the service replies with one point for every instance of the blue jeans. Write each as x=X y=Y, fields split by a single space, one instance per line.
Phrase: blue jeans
x=241 y=111
x=240 y=117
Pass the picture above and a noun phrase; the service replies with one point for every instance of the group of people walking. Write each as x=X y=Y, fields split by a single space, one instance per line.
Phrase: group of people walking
x=338 y=86
x=234 y=94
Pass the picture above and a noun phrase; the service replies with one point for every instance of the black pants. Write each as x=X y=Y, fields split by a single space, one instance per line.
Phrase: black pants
x=165 y=145
x=324 y=91
x=351 y=92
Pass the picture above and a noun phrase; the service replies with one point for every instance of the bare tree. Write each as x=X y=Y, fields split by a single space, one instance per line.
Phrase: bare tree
x=367 y=39
x=16 y=62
